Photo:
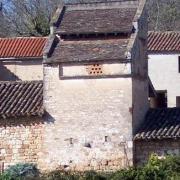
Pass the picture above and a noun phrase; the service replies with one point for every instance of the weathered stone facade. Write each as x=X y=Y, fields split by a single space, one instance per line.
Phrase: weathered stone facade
x=163 y=147
x=94 y=104
x=92 y=124
x=20 y=140
x=92 y=118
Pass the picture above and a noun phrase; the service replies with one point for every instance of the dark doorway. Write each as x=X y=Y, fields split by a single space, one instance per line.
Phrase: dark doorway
x=178 y=101
x=160 y=101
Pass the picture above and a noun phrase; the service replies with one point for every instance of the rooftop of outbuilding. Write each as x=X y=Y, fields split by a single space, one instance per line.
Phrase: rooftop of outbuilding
x=23 y=98
x=163 y=123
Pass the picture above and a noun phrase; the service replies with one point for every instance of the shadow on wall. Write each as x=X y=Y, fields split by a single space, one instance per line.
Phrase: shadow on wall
x=7 y=75
x=21 y=121
x=48 y=118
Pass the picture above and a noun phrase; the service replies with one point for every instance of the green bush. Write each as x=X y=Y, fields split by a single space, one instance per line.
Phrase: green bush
x=60 y=175
x=156 y=169
x=20 y=172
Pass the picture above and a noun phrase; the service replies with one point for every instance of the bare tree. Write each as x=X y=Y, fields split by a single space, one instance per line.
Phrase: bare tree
x=164 y=15
x=32 y=17
x=28 y=17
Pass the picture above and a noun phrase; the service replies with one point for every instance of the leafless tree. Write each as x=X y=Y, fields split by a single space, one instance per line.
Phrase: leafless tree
x=164 y=15
x=32 y=17
x=28 y=17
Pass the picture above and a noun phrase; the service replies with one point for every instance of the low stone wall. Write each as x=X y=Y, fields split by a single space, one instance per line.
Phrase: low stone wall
x=143 y=149
x=20 y=140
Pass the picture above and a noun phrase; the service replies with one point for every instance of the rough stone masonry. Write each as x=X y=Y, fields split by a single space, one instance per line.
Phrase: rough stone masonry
x=95 y=85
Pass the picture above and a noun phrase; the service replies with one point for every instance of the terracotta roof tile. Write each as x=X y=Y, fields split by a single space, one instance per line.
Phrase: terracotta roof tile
x=164 y=41
x=22 y=47
x=160 y=124
x=21 y=98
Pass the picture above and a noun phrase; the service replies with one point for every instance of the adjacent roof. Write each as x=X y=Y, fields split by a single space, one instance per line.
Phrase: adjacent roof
x=164 y=41
x=160 y=124
x=95 y=50
x=22 y=47
x=21 y=99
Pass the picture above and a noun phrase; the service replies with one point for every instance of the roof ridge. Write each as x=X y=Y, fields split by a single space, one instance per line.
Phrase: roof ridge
x=166 y=108
x=22 y=82
x=98 y=2
x=164 y=31
x=22 y=37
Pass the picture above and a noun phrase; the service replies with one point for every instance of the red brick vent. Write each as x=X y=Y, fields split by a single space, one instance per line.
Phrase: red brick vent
x=95 y=69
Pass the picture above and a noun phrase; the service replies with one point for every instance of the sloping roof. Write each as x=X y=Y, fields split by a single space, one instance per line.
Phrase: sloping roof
x=164 y=41
x=160 y=124
x=21 y=98
x=90 y=21
x=94 y=50
x=96 y=17
x=93 y=31
x=22 y=47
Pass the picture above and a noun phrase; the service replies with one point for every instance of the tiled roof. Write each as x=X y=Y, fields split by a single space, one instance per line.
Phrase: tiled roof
x=90 y=21
x=21 y=99
x=92 y=32
x=164 y=41
x=160 y=124
x=94 y=50
x=22 y=47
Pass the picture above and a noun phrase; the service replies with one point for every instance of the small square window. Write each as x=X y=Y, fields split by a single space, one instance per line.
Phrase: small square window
x=179 y=64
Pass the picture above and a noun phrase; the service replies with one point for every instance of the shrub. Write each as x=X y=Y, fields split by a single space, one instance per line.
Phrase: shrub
x=20 y=171
x=156 y=169
x=92 y=175
x=60 y=175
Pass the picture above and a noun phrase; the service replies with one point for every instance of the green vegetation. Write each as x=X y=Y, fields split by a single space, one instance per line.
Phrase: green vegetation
x=20 y=172
x=156 y=169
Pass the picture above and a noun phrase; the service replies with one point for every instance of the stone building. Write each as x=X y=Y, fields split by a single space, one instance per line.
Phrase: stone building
x=164 y=67
x=91 y=110
x=21 y=58
x=21 y=123
x=95 y=85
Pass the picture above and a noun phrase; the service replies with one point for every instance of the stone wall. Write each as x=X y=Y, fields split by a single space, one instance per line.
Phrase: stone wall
x=143 y=149
x=25 y=70
x=20 y=140
x=140 y=82
x=90 y=122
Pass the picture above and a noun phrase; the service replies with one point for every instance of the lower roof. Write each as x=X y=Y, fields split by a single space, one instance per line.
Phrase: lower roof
x=90 y=50
x=23 y=98
x=160 y=123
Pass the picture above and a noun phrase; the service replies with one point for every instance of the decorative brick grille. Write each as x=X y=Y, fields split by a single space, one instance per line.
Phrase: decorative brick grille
x=95 y=69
